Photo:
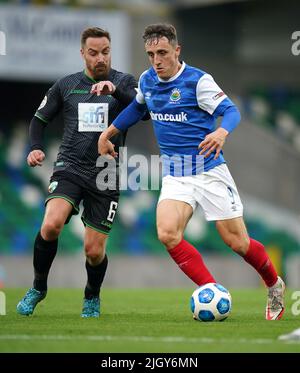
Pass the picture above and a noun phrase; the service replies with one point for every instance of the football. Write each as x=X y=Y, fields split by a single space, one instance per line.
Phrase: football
x=211 y=302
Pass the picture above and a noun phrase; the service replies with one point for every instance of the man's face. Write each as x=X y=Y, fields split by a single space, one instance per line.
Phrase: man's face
x=163 y=57
x=97 y=57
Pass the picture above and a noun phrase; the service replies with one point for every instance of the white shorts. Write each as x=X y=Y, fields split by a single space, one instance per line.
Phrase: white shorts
x=215 y=191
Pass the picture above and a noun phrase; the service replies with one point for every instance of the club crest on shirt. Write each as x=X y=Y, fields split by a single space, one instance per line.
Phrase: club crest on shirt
x=52 y=186
x=175 y=95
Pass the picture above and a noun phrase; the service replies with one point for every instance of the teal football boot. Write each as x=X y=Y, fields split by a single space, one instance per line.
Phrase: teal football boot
x=27 y=304
x=91 y=307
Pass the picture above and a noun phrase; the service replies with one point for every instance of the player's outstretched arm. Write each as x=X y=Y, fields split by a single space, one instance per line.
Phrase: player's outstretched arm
x=36 y=130
x=106 y=147
x=131 y=115
x=127 y=118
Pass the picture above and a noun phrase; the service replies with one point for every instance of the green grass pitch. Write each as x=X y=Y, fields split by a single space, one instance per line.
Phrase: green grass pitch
x=143 y=320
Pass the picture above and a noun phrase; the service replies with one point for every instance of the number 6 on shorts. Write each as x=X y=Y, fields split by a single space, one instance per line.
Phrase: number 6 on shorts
x=112 y=211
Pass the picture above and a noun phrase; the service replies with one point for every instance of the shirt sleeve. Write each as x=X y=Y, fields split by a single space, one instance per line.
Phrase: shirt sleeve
x=133 y=113
x=209 y=94
x=50 y=105
x=231 y=118
x=139 y=94
x=36 y=132
x=126 y=90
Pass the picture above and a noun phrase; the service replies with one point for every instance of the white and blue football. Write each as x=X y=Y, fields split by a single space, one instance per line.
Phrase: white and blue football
x=211 y=302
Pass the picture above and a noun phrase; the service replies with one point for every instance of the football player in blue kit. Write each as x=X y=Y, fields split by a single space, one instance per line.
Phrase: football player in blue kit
x=184 y=103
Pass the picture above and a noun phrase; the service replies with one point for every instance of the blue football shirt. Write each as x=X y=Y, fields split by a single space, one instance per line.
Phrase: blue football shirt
x=182 y=111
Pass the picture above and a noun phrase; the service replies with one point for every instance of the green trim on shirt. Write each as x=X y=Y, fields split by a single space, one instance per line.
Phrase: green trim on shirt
x=40 y=117
x=90 y=78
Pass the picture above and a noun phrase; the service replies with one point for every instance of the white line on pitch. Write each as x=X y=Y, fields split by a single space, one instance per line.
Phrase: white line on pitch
x=134 y=339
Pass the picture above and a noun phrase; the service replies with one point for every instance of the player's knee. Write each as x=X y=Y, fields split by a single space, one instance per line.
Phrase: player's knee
x=51 y=229
x=238 y=244
x=170 y=238
x=94 y=252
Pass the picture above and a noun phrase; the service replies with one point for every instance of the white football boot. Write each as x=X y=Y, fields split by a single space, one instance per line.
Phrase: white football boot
x=275 y=302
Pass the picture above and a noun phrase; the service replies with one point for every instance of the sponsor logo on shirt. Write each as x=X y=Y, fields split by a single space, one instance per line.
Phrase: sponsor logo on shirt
x=79 y=91
x=92 y=117
x=179 y=117
x=175 y=95
x=218 y=95
x=147 y=95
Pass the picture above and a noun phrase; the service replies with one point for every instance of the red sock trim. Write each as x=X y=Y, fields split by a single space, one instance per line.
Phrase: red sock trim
x=191 y=263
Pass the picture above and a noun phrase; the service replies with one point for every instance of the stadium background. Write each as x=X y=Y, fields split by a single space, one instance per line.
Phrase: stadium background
x=245 y=45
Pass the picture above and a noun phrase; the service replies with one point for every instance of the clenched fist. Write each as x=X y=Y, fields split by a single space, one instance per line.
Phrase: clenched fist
x=35 y=158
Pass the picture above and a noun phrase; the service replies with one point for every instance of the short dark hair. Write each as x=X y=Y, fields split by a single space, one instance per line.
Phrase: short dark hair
x=159 y=30
x=93 y=32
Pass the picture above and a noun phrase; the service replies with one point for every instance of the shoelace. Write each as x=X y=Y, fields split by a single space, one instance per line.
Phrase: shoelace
x=28 y=295
x=90 y=305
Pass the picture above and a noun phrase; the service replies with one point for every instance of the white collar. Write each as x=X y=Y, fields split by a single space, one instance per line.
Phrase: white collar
x=173 y=77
